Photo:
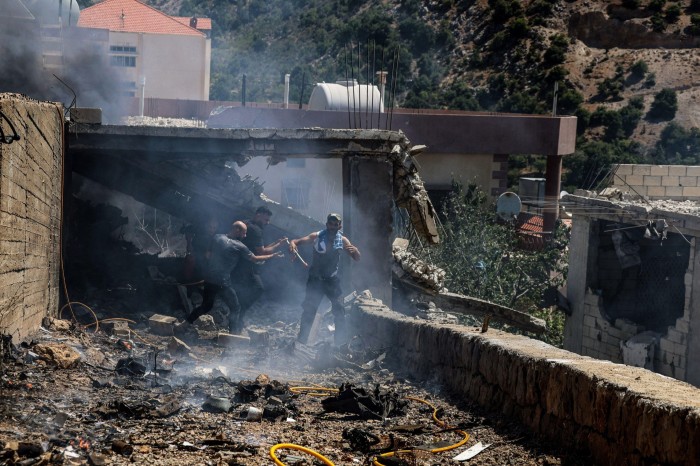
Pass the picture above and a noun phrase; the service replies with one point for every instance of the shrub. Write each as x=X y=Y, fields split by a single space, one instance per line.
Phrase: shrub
x=673 y=12
x=502 y=10
x=694 y=27
x=694 y=5
x=650 y=81
x=639 y=69
x=631 y=4
x=611 y=88
x=664 y=106
x=656 y=5
x=658 y=23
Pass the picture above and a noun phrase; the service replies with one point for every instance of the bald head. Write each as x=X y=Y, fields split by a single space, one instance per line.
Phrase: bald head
x=238 y=230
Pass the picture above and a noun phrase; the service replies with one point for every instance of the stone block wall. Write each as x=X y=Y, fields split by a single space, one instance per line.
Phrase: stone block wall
x=677 y=182
x=30 y=213
x=618 y=414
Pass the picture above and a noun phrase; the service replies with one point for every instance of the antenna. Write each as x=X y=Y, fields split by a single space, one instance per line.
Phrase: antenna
x=554 y=99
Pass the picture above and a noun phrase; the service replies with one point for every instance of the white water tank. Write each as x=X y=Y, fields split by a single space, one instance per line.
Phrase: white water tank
x=346 y=96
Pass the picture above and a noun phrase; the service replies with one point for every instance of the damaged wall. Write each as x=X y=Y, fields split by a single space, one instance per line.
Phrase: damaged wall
x=617 y=414
x=659 y=326
x=30 y=213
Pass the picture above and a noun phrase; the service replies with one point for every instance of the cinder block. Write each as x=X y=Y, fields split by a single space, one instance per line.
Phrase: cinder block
x=660 y=170
x=691 y=191
x=688 y=181
x=229 y=340
x=682 y=325
x=634 y=180
x=626 y=169
x=674 y=191
x=641 y=170
x=652 y=180
x=258 y=337
x=656 y=191
x=162 y=325
x=677 y=170
x=670 y=180
x=692 y=171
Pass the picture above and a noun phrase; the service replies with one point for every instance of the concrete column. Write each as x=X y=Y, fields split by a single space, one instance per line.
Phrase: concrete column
x=367 y=205
x=552 y=188
x=692 y=374
x=576 y=283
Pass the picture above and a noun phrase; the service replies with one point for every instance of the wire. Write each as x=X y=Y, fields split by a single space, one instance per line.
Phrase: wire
x=313 y=391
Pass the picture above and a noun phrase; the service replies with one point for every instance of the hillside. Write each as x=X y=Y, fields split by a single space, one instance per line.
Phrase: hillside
x=610 y=60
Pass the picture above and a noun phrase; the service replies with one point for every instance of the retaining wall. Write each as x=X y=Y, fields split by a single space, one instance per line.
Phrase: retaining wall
x=30 y=213
x=621 y=415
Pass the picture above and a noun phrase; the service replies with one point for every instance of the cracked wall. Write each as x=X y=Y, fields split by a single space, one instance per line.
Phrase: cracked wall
x=30 y=213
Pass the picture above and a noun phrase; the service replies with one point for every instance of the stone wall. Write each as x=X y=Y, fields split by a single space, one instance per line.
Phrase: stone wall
x=30 y=213
x=618 y=414
x=677 y=182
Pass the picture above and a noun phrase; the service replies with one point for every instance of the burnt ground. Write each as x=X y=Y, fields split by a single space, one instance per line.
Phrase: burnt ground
x=90 y=390
x=113 y=405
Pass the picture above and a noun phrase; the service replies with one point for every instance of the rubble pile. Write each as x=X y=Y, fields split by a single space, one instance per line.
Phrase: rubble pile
x=124 y=395
x=410 y=193
x=426 y=275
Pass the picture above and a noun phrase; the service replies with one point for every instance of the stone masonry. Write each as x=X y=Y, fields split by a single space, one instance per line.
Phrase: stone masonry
x=30 y=213
x=619 y=414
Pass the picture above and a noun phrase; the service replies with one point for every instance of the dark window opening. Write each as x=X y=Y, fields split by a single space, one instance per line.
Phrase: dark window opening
x=641 y=274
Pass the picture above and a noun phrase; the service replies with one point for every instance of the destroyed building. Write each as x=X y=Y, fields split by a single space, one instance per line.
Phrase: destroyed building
x=582 y=403
x=632 y=277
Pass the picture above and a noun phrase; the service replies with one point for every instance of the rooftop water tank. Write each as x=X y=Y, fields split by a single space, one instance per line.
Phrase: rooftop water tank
x=346 y=95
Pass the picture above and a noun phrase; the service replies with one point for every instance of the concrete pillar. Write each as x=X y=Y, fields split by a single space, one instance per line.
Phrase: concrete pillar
x=367 y=219
x=692 y=374
x=580 y=256
x=552 y=188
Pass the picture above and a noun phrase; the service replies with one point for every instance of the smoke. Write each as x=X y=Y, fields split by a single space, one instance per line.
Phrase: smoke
x=36 y=51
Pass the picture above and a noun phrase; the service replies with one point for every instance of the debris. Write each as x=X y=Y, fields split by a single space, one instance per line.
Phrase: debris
x=59 y=354
x=135 y=367
x=230 y=340
x=162 y=325
x=59 y=325
x=121 y=447
x=258 y=337
x=177 y=346
x=217 y=404
x=254 y=414
x=378 y=404
x=471 y=452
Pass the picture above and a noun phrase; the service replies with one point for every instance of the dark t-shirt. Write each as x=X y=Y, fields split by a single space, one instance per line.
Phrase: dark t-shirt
x=253 y=240
x=225 y=254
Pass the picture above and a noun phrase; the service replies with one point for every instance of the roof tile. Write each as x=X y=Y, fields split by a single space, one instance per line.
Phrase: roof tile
x=132 y=16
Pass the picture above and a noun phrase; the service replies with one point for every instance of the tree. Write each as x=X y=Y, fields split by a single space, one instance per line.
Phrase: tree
x=664 y=106
x=482 y=258
x=639 y=69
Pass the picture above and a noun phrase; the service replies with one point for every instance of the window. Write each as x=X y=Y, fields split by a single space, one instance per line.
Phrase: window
x=120 y=60
x=122 y=49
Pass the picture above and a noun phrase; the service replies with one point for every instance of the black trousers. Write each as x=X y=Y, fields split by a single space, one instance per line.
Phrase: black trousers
x=248 y=288
x=316 y=289
x=227 y=295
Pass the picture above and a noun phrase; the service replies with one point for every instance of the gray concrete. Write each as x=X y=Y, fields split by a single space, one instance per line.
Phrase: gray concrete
x=620 y=415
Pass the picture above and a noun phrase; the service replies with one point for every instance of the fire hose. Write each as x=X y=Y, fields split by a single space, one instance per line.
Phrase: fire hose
x=298 y=256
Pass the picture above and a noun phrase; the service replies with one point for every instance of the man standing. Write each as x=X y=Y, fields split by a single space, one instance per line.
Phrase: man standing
x=246 y=276
x=226 y=251
x=323 y=276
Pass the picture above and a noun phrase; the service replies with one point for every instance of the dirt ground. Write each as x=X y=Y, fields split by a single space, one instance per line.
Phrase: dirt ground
x=74 y=396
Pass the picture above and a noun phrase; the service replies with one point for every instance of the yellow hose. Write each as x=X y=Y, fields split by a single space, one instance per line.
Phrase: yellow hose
x=443 y=424
x=313 y=391
x=293 y=446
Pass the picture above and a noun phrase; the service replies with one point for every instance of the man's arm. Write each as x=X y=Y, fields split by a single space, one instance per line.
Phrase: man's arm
x=310 y=238
x=351 y=249
x=261 y=258
x=270 y=248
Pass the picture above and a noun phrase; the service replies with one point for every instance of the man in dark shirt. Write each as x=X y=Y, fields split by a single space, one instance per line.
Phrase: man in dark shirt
x=246 y=276
x=226 y=252
x=323 y=276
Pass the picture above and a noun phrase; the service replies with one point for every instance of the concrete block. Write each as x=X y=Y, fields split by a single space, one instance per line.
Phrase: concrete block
x=682 y=325
x=258 y=337
x=670 y=180
x=652 y=180
x=626 y=169
x=162 y=325
x=656 y=191
x=674 y=191
x=634 y=180
x=640 y=170
x=677 y=170
x=660 y=170
x=691 y=192
x=688 y=181
x=229 y=340
x=639 y=350
x=692 y=171
x=111 y=326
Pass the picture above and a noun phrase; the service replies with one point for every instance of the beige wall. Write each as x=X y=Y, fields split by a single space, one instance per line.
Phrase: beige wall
x=438 y=170
x=30 y=214
x=175 y=66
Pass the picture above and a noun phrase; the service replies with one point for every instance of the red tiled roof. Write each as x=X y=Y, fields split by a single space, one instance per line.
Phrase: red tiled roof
x=530 y=223
x=202 y=23
x=132 y=16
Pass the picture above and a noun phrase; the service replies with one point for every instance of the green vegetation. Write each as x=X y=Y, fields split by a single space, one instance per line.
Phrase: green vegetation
x=664 y=106
x=494 y=268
